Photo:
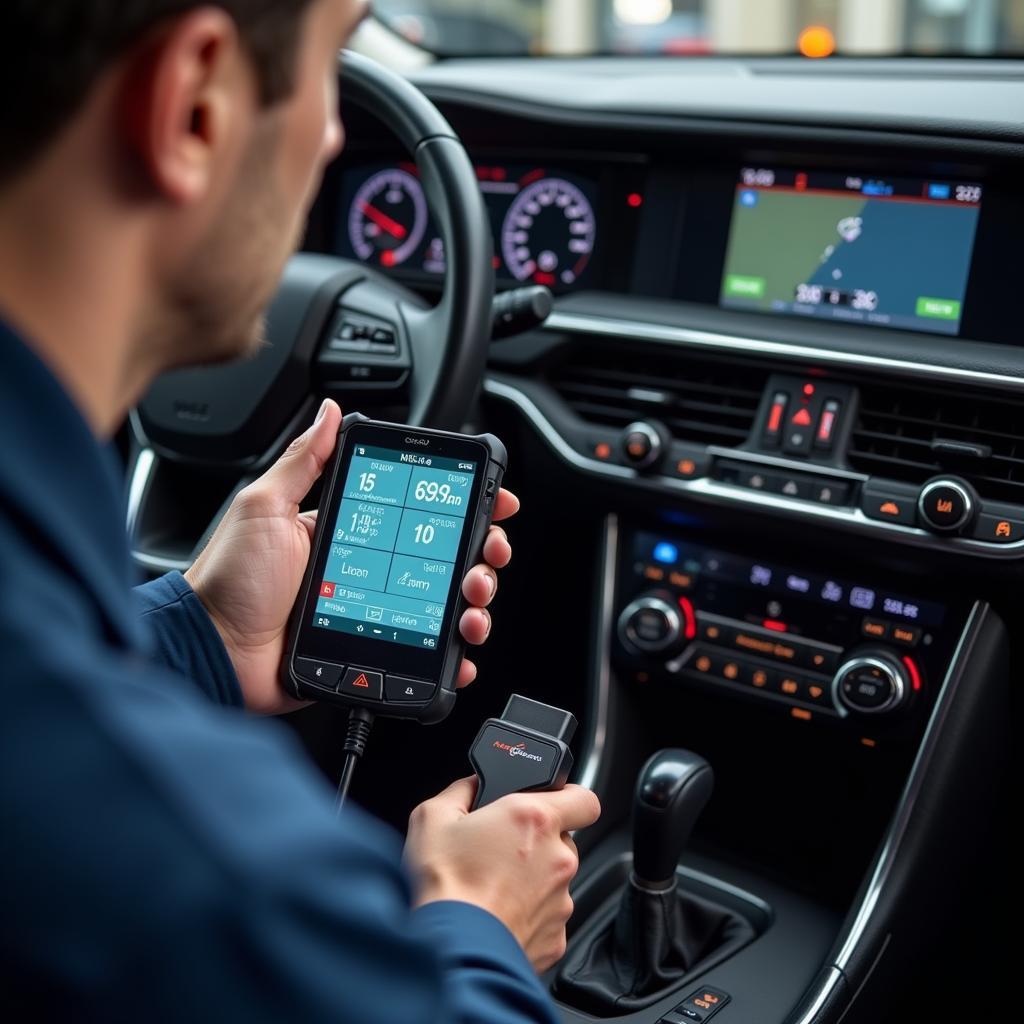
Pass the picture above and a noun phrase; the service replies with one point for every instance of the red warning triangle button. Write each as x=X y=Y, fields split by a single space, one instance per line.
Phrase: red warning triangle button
x=801 y=418
x=361 y=681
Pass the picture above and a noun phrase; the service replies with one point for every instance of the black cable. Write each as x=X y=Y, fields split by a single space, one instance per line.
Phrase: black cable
x=360 y=721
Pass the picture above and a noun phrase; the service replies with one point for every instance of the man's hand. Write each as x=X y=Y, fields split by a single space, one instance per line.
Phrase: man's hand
x=249 y=574
x=512 y=857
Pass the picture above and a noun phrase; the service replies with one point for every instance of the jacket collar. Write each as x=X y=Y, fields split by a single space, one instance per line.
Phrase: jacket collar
x=62 y=488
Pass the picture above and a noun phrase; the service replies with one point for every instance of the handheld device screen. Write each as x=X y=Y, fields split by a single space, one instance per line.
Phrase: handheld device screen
x=394 y=545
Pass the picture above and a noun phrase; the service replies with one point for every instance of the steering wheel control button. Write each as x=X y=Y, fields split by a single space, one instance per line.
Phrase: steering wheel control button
x=642 y=445
x=946 y=505
x=319 y=673
x=889 y=502
x=363 y=682
x=999 y=524
x=399 y=690
x=871 y=683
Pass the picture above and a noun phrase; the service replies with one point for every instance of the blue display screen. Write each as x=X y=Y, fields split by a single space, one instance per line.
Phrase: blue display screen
x=391 y=566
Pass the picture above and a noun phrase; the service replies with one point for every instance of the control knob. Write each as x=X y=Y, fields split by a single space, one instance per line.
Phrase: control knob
x=651 y=624
x=947 y=505
x=645 y=443
x=871 y=681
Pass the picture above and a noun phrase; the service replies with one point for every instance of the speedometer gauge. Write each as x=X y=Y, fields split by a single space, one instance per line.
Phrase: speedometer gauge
x=548 y=233
x=388 y=218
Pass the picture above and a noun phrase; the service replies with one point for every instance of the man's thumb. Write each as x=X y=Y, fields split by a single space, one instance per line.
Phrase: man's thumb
x=300 y=466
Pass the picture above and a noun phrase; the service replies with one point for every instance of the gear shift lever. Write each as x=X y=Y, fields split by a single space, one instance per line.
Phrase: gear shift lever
x=671 y=791
x=657 y=936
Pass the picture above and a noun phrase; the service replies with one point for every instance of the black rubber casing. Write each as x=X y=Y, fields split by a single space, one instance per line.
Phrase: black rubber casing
x=478 y=521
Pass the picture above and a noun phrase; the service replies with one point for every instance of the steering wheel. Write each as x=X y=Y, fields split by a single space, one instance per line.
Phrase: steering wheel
x=237 y=418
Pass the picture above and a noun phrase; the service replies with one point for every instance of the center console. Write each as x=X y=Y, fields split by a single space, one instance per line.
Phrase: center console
x=859 y=653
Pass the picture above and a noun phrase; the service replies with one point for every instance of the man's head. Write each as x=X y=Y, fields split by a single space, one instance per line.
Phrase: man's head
x=198 y=132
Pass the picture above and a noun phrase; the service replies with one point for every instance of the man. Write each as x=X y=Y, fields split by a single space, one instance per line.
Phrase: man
x=164 y=855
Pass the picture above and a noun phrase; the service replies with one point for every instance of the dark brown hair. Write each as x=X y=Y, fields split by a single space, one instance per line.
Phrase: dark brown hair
x=53 y=51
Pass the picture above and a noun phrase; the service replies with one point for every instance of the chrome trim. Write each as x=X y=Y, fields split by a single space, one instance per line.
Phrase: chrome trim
x=142 y=473
x=594 y=744
x=953 y=486
x=583 y=323
x=895 y=679
x=716 y=492
x=781 y=462
x=904 y=809
x=831 y=980
x=628 y=634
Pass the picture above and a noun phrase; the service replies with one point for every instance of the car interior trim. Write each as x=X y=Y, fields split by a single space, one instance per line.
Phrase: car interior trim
x=594 y=744
x=723 y=493
x=904 y=809
x=581 y=323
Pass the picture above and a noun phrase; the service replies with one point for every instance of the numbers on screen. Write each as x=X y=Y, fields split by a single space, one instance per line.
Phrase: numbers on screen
x=424 y=533
x=367 y=482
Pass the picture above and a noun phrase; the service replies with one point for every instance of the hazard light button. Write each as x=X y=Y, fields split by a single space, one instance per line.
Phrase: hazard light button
x=363 y=682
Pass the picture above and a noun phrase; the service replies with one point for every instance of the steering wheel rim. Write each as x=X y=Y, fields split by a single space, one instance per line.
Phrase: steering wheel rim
x=241 y=414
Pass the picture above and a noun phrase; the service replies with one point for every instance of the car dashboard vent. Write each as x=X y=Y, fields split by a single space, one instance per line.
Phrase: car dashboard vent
x=698 y=400
x=912 y=434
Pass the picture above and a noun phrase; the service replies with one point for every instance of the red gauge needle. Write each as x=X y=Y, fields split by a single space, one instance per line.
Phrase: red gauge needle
x=383 y=221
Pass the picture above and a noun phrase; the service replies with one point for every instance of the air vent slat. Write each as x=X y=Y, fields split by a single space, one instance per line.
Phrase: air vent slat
x=896 y=427
x=698 y=401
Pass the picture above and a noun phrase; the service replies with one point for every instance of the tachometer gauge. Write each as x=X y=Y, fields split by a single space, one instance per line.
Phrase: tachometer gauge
x=548 y=233
x=388 y=218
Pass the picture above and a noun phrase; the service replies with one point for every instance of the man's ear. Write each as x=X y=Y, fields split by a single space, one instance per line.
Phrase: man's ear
x=186 y=91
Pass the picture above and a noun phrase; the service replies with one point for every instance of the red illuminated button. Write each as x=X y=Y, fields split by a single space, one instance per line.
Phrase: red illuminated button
x=827 y=422
x=363 y=682
x=776 y=416
x=801 y=418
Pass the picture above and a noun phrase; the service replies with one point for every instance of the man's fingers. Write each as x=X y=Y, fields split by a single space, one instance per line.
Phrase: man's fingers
x=497 y=549
x=291 y=477
x=576 y=807
x=506 y=506
x=475 y=625
x=459 y=795
x=467 y=673
x=480 y=585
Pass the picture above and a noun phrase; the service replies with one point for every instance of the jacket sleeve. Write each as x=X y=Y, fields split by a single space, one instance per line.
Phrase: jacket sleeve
x=185 y=639
x=176 y=861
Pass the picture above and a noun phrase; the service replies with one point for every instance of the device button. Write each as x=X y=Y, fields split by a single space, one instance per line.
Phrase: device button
x=829 y=492
x=792 y=486
x=642 y=444
x=681 y=1015
x=891 y=503
x=776 y=414
x=945 y=505
x=687 y=461
x=1000 y=529
x=320 y=673
x=400 y=690
x=906 y=635
x=874 y=628
x=818 y=659
x=827 y=421
x=363 y=682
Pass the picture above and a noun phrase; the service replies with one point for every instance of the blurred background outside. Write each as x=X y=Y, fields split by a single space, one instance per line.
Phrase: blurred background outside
x=815 y=28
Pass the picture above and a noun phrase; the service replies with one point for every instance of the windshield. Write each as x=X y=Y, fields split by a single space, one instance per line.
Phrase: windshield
x=815 y=28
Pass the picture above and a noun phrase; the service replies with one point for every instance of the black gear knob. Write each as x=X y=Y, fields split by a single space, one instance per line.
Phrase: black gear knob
x=671 y=791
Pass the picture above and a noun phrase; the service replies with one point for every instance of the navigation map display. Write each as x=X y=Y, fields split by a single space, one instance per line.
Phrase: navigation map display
x=892 y=252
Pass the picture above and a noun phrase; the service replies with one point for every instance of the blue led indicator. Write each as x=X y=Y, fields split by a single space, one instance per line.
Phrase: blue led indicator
x=936 y=191
x=666 y=553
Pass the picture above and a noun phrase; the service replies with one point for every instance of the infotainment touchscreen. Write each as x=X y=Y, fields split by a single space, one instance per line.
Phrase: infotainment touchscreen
x=891 y=252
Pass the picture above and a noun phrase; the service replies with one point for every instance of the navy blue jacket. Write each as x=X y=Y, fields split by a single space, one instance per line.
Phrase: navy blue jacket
x=163 y=855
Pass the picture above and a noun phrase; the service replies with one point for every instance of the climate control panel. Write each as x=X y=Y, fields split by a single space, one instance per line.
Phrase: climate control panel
x=851 y=648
